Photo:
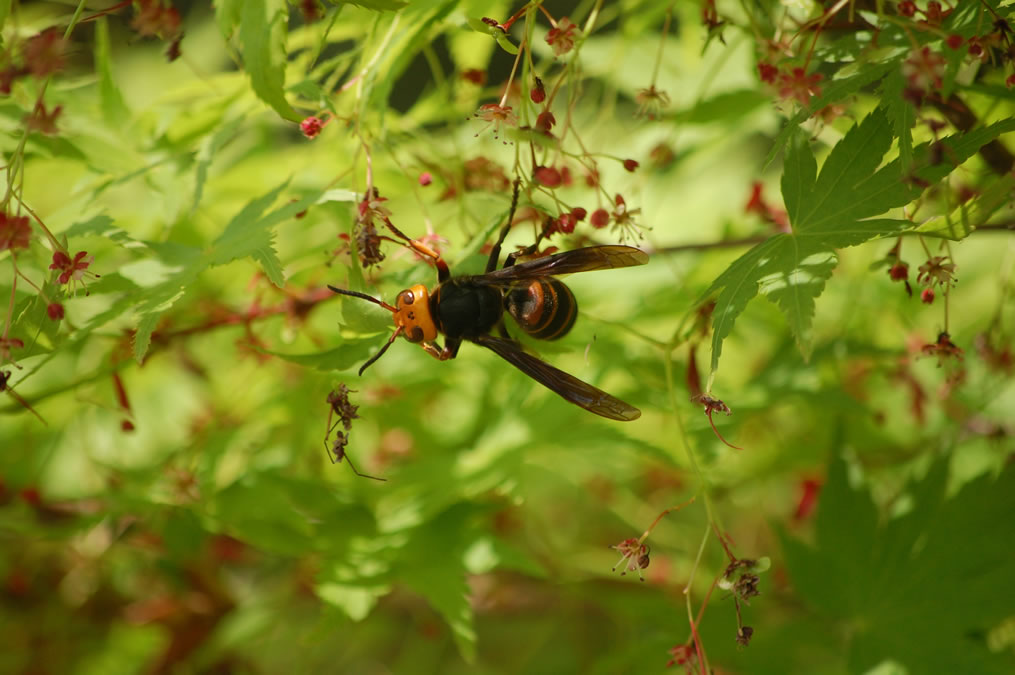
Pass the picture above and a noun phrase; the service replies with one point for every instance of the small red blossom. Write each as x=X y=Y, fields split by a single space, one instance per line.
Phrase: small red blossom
x=954 y=41
x=155 y=20
x=809 y=490
x=927 y=296
x=976 y=48
x=425 y=178
x=630 y=165
x=7 y=77
x=662 y=156
x=1010 y=81
x=797 y=84
x=55 y=311
x=475 y=76
x=564 y=223
x=42 y=120
x=600 y=218
x=623 y=219
x=7 y=345
x=756 y=204
x=310 y=10
x=31 y=496
x=311 y=126
x=937 y=272
x=899 y=271
x=538 y=92
x=579 y=213
x=767 y=72
x=592 y=178
x=481 y=173
x=651 y=102
x=562 y=36
x=371 y=208
x=634 y=556
x=75 y=269
x=907 y=8
x=924 y=70
x=547 y=176
x=712 y=404
x=43 y=53
x=545 y=121
x=496 y=115
x=943 y=349
x=15 y=232
x=934 y=13
x=684 y=655
x=173 y=52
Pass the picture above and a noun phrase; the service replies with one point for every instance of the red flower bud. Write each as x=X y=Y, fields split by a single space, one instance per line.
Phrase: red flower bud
x=538 y=92
x=55 y=311
x=547 y=176
x=311 y=126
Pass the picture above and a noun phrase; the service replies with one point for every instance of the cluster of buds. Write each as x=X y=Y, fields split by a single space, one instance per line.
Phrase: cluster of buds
x=791 y=83
x=368 y=242
x=40 y=56
x=156 y=18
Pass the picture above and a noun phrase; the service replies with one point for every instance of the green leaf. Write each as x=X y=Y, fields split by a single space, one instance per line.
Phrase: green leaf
x=938 y=569
x=496 y=33
x=5 y=11
x=798 y=176
x=263 y=27
x=833 y=92
x=227 y=15
x=114 y=108
x=841 y=184
x=795 y=284
x=377 y=5
x=210 y=147
x=357 y=601
x=901 y=113
x=433 y=565
x=251 y=233
x=835 y=210
x=961 y=222
x=724 y=108
x=351 y=353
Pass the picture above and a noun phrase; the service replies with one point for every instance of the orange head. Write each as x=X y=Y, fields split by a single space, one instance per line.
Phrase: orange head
x=411 y=314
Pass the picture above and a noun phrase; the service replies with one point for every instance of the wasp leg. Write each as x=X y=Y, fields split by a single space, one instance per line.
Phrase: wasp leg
x=443 y=273
x=450 y=350
x=513 y=257
x=491 y=263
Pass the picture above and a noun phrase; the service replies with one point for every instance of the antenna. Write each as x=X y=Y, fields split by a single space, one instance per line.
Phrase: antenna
x=364 y=296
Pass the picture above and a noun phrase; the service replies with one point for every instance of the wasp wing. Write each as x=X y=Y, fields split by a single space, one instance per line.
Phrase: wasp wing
x=580 y=260
x=567 y=386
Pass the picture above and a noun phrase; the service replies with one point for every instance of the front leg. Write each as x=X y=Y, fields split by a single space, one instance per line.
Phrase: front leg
x=450 y=350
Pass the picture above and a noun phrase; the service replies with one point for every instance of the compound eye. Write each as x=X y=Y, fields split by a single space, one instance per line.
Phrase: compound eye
x=415 y=334
x=406 y=298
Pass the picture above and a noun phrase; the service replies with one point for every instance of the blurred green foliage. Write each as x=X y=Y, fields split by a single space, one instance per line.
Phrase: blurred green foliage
x=177 y=511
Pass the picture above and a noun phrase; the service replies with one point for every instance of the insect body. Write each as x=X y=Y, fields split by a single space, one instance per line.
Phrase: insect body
x=472 y=307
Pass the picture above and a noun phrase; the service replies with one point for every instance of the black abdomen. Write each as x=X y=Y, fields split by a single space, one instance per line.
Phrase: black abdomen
x=544 y=308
